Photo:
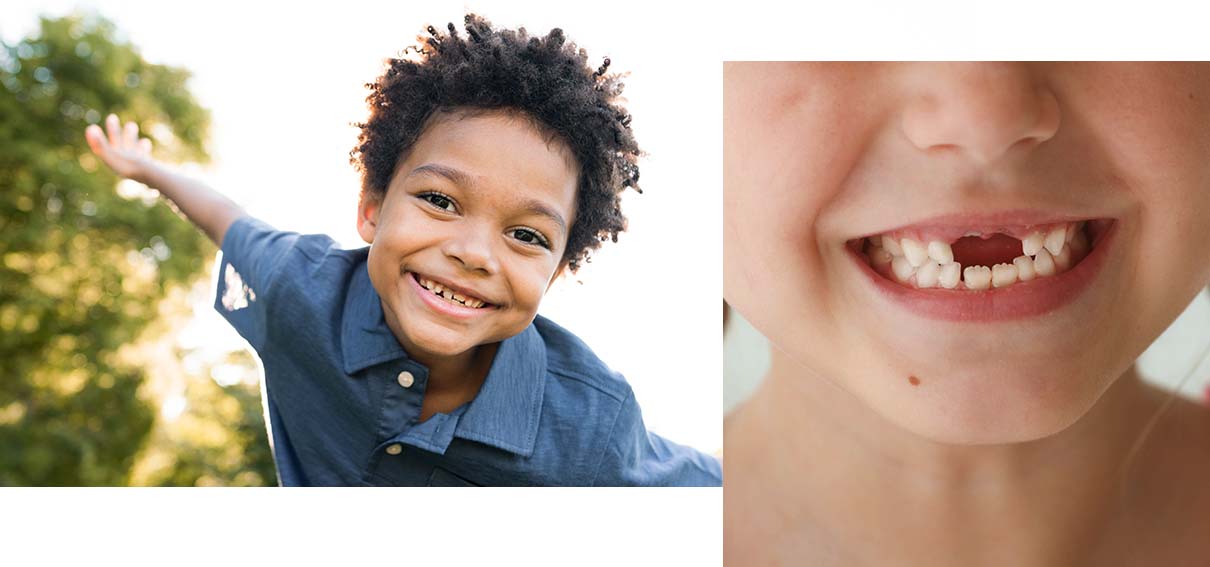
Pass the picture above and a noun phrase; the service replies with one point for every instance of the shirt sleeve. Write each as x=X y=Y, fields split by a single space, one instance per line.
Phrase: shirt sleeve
x=253 y=253
x=635 y=457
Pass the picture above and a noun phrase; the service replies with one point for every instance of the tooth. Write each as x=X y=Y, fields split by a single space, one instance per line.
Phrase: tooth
x=875 y=241
x=901 y=268
x=1032 y=244
x=1073 y=229
x=438 y=288
x=475 y=303
x=1004 y=274
x=941 y=252
x=1044 y=264
x=915 y=251
x=1025 y=268
x=950 y=274
x=928 y=275
x=1063 y=259
x=977 y=277
x=459 y=298
x=892 y=246
x=879 y=256
x=1055 y=239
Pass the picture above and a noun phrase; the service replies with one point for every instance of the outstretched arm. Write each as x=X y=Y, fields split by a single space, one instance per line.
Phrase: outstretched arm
x=130 y=157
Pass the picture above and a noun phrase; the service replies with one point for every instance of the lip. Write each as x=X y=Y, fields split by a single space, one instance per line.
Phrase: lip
x=1018 y=301
x=442 y=306
x=950 y=227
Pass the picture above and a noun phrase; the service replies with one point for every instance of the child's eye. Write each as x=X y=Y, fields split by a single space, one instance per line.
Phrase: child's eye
x=530 y=236
x=440 y=201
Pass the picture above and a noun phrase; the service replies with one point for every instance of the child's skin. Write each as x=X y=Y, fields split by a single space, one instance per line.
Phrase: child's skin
x=483 y=202
x=881 y=436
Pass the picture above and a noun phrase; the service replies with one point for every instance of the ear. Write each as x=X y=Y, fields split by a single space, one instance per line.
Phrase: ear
x=367 y=216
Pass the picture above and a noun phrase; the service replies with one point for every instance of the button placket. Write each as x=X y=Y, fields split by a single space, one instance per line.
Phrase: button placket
x=401 y=405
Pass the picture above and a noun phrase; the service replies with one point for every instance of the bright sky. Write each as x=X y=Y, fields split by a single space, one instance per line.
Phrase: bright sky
x=284 y=84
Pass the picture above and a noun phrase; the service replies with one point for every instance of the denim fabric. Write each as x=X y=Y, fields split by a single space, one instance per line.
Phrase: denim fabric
x=549 y=412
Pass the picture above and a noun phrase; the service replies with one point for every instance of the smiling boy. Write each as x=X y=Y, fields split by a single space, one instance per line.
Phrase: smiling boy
x=490 y=164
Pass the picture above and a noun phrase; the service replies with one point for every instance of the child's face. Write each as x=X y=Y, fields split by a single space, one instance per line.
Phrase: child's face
x=482 y=204
x=820 y=156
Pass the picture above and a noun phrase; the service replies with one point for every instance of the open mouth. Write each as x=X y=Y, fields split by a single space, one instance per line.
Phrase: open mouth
x=979 y=259
x=449 y=294
x=995 y=267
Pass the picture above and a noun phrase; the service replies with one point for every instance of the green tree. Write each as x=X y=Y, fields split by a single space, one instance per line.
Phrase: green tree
x=83 y=268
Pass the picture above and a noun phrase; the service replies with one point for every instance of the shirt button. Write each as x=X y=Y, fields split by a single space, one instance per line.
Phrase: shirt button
x=406 y=379
x=394 y=449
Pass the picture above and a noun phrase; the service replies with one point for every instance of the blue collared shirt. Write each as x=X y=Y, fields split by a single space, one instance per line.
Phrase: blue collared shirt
x=343 y=397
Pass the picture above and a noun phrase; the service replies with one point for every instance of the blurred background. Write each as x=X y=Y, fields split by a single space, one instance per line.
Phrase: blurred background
x=1175 y=354
x=114 y=368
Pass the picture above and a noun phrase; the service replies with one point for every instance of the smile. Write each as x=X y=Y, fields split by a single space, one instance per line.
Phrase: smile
x=969 y=271
x=443 y=291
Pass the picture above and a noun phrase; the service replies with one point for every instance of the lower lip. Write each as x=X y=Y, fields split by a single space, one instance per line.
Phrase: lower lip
x=442 y=306
x=1017 y=301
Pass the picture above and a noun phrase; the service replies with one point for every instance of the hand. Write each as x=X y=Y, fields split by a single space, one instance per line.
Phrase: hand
x=123 y=151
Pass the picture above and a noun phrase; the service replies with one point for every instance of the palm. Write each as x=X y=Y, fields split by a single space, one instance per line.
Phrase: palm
x=120 y=148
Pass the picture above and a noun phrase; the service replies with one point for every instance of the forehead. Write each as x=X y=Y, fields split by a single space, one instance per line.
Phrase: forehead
x=501 y=151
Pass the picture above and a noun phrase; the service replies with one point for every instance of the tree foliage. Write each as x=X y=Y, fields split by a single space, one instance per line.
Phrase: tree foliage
x=84 y=268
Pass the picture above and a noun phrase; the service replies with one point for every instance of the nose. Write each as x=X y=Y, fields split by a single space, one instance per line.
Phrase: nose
x=472 y=249
x=982 y=110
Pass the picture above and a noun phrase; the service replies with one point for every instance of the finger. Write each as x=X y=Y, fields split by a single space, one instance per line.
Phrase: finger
x=96 y=139
x=130 y=135
x=111 y=127
x=145 y=146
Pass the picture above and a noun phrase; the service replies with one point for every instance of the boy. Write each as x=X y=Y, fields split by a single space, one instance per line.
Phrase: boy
x=489 y=165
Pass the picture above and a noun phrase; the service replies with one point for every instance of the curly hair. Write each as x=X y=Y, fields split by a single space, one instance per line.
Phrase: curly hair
x=546 y=79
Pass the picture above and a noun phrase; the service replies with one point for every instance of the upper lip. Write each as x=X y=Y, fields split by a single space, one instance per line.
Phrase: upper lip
x=458 y=288
x=986 y=222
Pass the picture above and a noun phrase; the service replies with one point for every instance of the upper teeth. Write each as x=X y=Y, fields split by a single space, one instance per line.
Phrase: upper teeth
x=449 y=295
x=931 y=264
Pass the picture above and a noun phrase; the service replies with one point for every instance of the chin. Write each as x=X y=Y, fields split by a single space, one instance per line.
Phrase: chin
x=998 y=406
x=439 y=341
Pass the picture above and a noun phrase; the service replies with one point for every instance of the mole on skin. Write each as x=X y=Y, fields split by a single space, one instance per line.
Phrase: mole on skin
x=913 y=380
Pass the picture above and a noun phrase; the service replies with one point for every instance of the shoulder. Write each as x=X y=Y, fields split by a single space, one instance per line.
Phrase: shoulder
x=264 y=252
x=570 y=360
x=316 y=262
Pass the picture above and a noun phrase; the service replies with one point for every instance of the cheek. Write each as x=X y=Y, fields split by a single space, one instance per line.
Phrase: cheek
x=528 y=279
x=784 y=167
x=1154 y=134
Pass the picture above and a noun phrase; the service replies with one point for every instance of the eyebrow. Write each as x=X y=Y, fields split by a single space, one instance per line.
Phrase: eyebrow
x=462 y=179
x=455 y=176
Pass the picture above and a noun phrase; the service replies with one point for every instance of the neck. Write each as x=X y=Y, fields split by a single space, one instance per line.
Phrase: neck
x=845 y=467
x=454 y=380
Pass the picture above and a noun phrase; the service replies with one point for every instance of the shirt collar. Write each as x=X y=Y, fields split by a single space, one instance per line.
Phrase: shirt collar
x=365 y=338
x=505 y=412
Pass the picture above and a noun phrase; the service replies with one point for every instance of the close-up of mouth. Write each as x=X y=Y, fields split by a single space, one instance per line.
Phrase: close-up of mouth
x=443 y=292
x=970 y=269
